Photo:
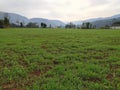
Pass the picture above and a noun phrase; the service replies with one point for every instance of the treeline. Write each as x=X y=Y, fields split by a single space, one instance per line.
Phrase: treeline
x=85 y=25
x=88 y=25
x=5 y=23
x=29 y=25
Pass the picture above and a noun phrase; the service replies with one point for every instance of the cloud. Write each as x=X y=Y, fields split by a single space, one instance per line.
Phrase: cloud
x=65 y=10
x=98 y=2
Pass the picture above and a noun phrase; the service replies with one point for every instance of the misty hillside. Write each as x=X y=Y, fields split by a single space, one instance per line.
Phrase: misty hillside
x=16 y=19
x=101 y=22
x=53 y=23
x=105 y=22
x=98 y=22
x=87 y=20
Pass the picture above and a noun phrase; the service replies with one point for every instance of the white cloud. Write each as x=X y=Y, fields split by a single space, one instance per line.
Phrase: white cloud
x=66 y=10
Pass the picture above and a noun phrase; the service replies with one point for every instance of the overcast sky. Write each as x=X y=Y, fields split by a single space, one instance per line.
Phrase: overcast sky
x=65 y=10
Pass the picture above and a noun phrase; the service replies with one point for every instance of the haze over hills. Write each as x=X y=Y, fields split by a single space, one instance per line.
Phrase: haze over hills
x=101 y=22
x=98 y=22
x=16 y=19
x=53 y=23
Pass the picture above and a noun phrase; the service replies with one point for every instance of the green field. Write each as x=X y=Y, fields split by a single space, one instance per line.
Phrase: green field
x=59 y=59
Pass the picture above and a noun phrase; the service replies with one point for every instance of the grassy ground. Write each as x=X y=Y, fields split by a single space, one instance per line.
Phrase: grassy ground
x=58 y=59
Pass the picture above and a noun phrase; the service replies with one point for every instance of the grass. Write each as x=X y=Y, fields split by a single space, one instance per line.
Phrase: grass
x=59 y=59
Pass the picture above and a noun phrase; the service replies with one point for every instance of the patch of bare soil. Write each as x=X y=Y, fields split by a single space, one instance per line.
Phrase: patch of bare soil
x=35 y=73
x=10 y=86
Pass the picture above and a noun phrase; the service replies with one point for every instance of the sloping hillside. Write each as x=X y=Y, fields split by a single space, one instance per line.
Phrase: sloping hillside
x=16 y=19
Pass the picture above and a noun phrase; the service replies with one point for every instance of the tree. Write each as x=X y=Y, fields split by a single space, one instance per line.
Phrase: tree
x=32 y=25
x=70 y=25
x=83 y=26
x=116 y=23
x=6 y=22
x=1 y=23
x=87 y=25
x=43 y=25
x=21 y=24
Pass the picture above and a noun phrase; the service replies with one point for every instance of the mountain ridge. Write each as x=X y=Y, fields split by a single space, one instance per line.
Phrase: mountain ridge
x=17 y=18
x=98 y=22
x=101 y=21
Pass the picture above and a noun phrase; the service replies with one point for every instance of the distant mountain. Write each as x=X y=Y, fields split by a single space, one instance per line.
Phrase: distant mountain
x=98 y=22
x=87 y=20
x=52 y=23
x=101 y=22
x=108 y=21
x=115 y=16
x=16 y=19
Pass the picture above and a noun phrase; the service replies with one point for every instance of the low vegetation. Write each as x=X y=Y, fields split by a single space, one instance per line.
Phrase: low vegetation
x=59 y=59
